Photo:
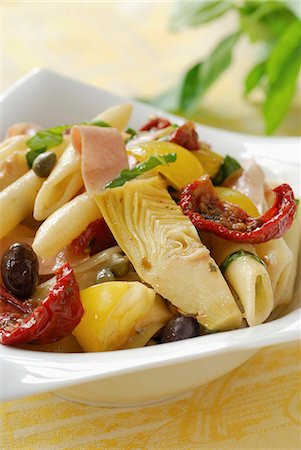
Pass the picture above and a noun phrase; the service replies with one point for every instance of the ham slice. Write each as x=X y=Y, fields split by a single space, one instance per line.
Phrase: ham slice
x=103 y=155
x=251 y=183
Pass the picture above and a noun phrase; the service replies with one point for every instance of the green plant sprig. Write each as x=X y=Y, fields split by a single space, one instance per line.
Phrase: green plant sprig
x=274 y=23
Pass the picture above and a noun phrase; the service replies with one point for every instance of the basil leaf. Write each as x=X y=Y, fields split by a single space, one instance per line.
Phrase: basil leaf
x=32 y=155
x=230 y=258
x=202 y=75
x=264 y=20
x=151 y=163
x=283 y=51
x=44 y=139
x=52 y=137
x=197 y=12
x=254 y=77
x=227 y=168
x=186 y=94
x=280 y=94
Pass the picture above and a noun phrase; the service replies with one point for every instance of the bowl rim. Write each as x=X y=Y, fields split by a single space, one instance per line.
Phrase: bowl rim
x=90 y=366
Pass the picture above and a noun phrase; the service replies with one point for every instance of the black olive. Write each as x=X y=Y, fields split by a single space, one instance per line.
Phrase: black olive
x=43 y=164
x=179 y=328
x=20 y=270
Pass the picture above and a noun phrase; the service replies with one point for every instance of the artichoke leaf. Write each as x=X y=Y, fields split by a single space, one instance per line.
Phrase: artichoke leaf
x=167 y=253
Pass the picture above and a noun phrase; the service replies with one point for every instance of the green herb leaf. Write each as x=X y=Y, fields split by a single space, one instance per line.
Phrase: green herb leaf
x=151 y=163
x=198 y=79
x=52 y=137
x=254 y=77
x=283 y=51
x=197 y=12
x=131 y=132
x=33 y=154
x=280 y=94
x=44 y=139
x=227 y=168
x=264 y=20
x=230 y=258
x=202 y=75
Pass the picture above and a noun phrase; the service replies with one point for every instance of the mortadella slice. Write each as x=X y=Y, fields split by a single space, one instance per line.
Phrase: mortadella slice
x=251 y=183
x=103 y=155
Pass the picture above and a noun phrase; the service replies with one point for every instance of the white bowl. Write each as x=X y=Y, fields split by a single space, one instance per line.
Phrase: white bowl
x=143 y=375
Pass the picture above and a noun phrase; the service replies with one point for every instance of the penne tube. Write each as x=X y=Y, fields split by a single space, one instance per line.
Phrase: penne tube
x=62 y=184
x=12 y=168
x=85 y=273
x=278 y=259
x=247 y=276
x=66 y=180
x=117 y=116
x=10 y=145
x=17 y=200
x=15 y=165
x=64 y=225
x=292 y=239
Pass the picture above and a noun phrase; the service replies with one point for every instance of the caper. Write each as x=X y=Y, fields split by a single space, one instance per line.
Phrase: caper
x=20 y=270
x=119 y=264
x=178 y=328
x=43 y=164
x=105 y=275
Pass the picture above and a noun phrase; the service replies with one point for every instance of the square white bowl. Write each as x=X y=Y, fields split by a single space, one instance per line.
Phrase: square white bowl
x=135 y=376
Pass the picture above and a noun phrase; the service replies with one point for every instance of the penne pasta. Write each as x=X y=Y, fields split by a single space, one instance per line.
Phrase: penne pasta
x=12 y=168
x=247 y=276
x=62 y=184
x=10 y=145
x=17 y=200
x=15 y=165
x=66 y=180
x=278 y=259
x=117 y=116
x=64 y=225
x=292 y=239
x=85 y=273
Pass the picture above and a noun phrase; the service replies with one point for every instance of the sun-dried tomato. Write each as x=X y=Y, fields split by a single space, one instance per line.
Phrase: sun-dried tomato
x=96 y=237
x=157 y=122
x=186 y=136
x=199 y=201
x=59 y=313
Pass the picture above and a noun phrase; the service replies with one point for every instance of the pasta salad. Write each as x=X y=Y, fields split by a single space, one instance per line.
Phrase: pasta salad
x=114 y=238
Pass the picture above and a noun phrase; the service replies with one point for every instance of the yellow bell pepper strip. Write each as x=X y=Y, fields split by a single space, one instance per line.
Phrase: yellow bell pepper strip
x=210 y=161
x=186 y=169
x=115 y=311
x=237 y=198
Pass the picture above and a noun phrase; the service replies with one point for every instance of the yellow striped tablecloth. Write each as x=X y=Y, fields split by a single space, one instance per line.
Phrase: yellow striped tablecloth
x=126 y=48
x=256 y=406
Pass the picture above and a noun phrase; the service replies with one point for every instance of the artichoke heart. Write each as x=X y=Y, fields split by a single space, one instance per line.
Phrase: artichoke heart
x=167 y=253
x=119 y=314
